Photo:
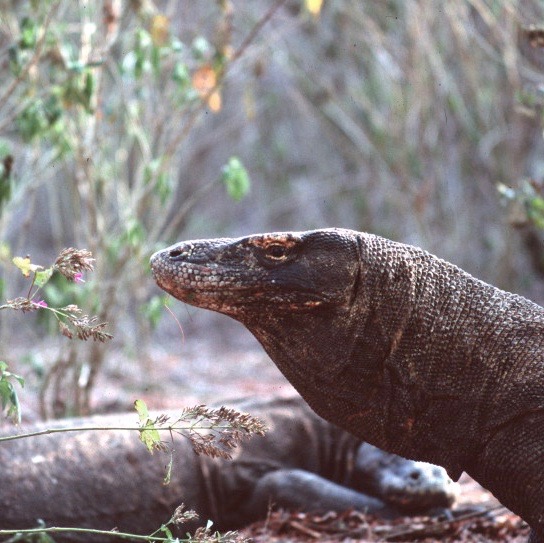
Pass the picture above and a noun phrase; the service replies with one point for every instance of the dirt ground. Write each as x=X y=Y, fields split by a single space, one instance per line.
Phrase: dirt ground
x=352 y=526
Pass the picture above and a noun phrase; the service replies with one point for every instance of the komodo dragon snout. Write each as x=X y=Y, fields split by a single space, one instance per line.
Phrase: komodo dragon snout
x=409 y=485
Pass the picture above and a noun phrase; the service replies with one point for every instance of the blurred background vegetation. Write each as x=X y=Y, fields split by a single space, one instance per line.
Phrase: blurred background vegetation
x=126 y=125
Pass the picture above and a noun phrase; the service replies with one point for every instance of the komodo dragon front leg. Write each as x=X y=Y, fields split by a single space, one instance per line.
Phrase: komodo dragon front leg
x=400 y=348
x=300 y=490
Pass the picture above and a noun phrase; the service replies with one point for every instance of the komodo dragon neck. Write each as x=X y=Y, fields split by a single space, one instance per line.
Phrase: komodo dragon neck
x=398 y=347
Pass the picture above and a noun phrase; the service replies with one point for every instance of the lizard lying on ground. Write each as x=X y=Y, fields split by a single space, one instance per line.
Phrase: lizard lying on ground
x=391 y=343
x=108 y=479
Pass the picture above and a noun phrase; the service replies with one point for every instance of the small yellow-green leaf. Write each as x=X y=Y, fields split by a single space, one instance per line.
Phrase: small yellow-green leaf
x=43 y=276
x=141 y=408
x=24 y=264
x=149 y=435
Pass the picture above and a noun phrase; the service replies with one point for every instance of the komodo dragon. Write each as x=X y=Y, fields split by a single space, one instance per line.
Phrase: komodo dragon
x=109 y=479
x=391 y=343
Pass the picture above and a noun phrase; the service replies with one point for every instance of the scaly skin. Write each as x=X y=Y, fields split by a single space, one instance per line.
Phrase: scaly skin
x=395 y=345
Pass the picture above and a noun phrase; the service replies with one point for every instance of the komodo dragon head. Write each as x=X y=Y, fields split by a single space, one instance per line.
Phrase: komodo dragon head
x=260 y=274
x=411 y=486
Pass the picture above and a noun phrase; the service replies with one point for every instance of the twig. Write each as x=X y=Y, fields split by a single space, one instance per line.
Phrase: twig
x=169 y=428
x=304 y=529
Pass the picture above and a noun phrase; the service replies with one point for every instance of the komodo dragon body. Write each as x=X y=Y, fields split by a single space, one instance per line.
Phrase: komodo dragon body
x=108 y=479
x=393 y=344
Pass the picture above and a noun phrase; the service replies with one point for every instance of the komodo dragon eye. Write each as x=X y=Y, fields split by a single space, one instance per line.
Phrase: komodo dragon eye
x=276 y=251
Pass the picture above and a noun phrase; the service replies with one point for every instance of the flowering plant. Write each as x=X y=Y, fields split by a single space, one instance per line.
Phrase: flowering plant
x=71 y=263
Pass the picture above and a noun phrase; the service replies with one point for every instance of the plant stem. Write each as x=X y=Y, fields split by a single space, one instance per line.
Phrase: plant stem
x=59 y=529
x=171 y=428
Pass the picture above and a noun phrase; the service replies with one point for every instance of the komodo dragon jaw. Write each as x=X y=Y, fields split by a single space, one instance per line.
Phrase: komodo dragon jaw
x=264 y=272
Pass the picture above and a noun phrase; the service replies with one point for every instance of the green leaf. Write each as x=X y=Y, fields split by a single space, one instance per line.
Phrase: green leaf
x=141 y=408
x=537 y=204
x=31 y=121
x=42 y=277
x=167 y=532
x=19 y=379
x=5 y=392
x=535 y=211
x=149 y=435
x=236 y=179
x=141 y=47
x=45 y=538
x=8 y=395
x=40 y=117
x=29 y=32
x=5 y=374
x=180 y=75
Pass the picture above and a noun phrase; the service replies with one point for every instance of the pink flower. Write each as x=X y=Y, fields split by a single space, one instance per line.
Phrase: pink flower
x=78 y=278
x=41 y=303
